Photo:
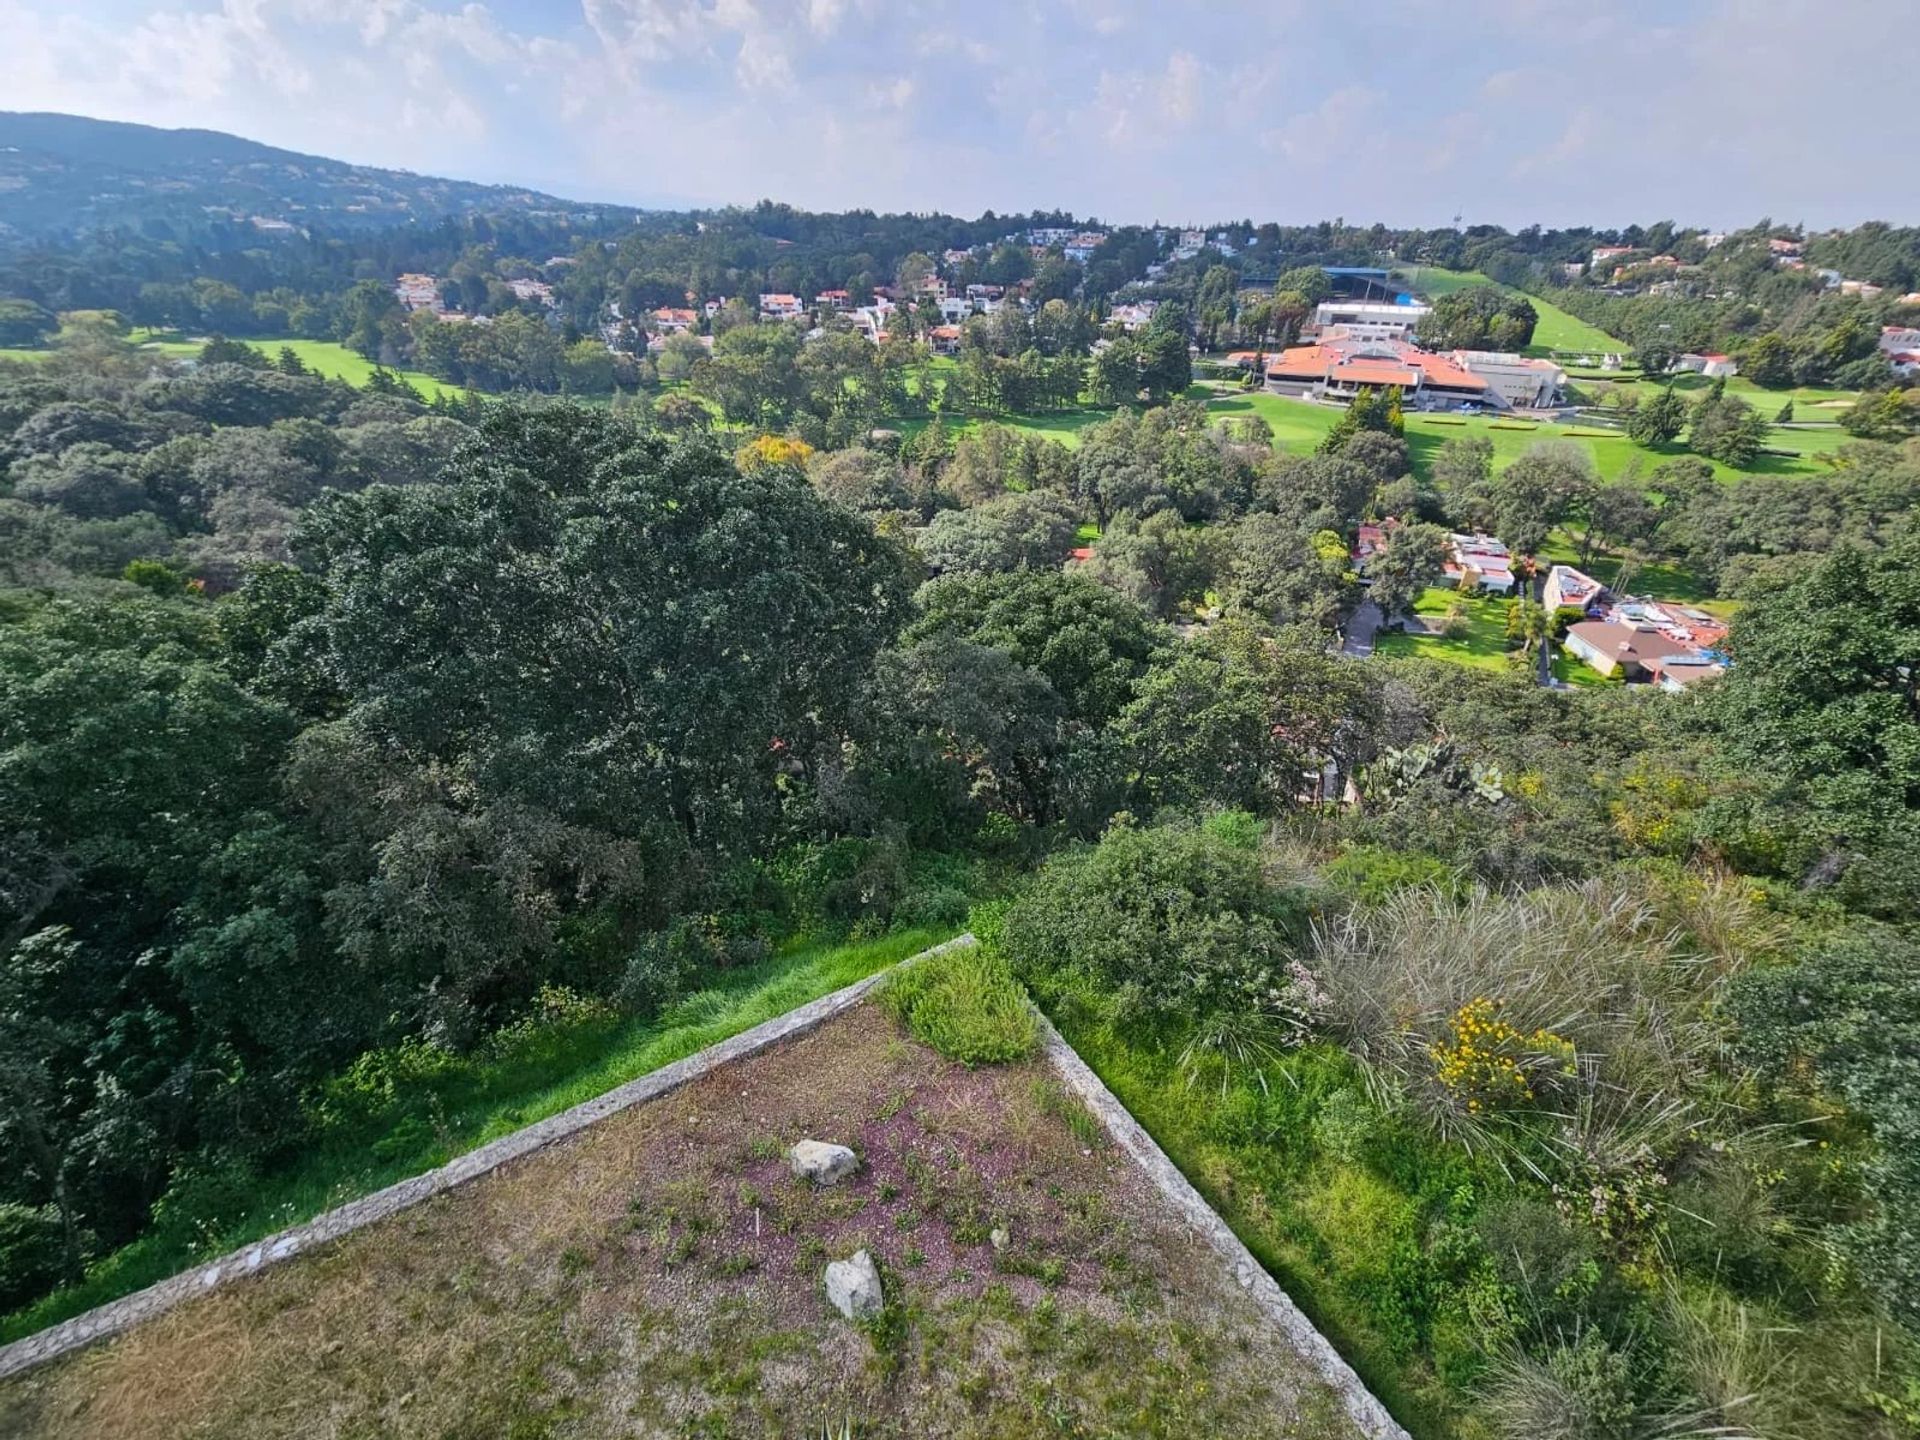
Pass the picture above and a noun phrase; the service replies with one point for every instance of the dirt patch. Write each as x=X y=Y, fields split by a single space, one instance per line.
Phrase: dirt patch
x=659 y=1275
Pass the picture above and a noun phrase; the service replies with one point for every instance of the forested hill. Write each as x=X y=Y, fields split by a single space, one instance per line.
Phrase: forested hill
x=62 y=175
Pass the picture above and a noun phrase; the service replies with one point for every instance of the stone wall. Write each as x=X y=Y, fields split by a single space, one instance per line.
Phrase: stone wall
x=1367 y=1412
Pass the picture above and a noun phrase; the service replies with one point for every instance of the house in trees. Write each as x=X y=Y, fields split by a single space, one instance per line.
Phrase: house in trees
x=1714 y=367
x=418 y=292
x=1482 y=560
x=673 y=320
x=944 y=339
x=1571 y=589
x=780 y=306
x=834 y=299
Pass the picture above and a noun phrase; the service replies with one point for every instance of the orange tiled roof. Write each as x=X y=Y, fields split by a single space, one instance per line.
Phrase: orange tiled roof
x=1374 y=372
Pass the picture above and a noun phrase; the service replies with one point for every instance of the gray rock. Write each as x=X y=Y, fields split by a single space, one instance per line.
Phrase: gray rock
x=999 y=1237
x=822 y=1163
x=854 y=1286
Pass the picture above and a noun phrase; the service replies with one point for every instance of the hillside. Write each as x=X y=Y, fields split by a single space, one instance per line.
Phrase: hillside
x=64 y=175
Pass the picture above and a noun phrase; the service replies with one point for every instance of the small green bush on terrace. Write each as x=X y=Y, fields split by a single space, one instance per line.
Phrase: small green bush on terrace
x=966 y=1004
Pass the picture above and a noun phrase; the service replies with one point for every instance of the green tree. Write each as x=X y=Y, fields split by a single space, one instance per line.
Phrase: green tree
x=1724 y=427
x=1659 y=420
x=1410 y=560
x=696 y=616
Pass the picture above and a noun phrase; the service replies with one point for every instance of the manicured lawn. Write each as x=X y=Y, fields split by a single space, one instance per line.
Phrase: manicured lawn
x=1569 y=671
x=1810 y=402
x=1556 y=329
x=1063 y=425
x=1300 y=425
x=1484 y=646
x=524 y=1075
x=337 y=362
x=323 y=357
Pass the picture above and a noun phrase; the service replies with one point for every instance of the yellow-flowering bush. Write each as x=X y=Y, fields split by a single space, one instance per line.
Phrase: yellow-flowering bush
x=1489 y=1063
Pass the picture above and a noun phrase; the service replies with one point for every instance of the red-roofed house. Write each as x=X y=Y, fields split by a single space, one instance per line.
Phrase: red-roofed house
x=780 y=306
x=1614 y=645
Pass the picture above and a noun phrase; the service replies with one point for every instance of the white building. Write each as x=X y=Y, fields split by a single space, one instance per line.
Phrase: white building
x=1369 y=319
x=536 y=291
x=1714 y=367
x=781 y=306
x=418 y=292
x=1483 y=559
x=1515 y=379
x=1899 y=339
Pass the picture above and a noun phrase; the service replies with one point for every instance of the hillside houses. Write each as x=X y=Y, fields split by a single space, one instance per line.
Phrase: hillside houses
x=1482 y=561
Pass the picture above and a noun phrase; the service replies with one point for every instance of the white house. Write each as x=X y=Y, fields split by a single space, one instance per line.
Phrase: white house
x=780 y=306
x=1369 y=320
x=1483 y=559
x=1714 y=367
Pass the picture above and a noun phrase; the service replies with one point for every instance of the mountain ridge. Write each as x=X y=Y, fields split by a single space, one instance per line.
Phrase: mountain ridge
x=66 y=175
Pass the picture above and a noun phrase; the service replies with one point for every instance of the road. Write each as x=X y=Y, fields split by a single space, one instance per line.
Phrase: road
x=1360 y=631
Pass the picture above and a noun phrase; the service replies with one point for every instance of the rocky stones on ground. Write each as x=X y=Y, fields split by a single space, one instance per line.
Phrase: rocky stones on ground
x=999 y=1238
x=821 y=1162
x=853 y=1286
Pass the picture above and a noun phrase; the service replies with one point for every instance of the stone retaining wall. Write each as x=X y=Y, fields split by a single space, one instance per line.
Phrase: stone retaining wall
x=130 y=1310
x=1368 y=1413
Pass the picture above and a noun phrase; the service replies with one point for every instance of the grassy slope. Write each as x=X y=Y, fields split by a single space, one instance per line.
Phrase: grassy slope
x=337 y=362
x=1556 y=330
x=1483 y=647
x=482 y=1100
x=1302 y=1227
x=323 y=357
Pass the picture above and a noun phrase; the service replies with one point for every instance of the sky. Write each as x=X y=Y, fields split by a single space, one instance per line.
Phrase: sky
x=1408 y=112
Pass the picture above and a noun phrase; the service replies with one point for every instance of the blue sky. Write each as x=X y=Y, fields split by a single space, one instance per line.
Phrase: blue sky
x=1716 y=112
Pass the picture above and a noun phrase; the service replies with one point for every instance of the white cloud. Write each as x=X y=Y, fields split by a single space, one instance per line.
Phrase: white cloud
x=1515 y=110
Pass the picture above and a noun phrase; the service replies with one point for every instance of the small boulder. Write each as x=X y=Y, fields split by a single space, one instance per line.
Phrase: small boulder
x=822 y=1163
x=854 y=1286
x=999 y=1238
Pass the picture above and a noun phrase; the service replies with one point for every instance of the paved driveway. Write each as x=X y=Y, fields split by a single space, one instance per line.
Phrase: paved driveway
x=1360 y=630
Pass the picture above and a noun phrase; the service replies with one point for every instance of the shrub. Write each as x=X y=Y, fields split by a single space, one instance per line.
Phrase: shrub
x=1174 y=919
x=665 y=964
x=1370 y=873
x=1578 y=985
x=966 y=1004
x=1579 y=1390
x=31 y=1259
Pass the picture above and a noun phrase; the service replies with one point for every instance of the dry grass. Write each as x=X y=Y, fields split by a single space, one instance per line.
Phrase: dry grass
x=660 y=1275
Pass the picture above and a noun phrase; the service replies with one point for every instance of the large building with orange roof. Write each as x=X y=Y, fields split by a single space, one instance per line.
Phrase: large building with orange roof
x=1340 y=364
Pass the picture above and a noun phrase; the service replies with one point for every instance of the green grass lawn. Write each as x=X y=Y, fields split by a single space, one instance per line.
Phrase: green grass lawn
x=1300 y=425
x=1483 y=647
x=1569 y=671
x=521 y=1077
x=323 y=357
x=337 y=362
x=1556 y=329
